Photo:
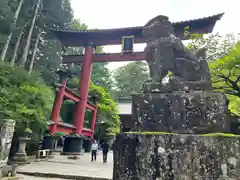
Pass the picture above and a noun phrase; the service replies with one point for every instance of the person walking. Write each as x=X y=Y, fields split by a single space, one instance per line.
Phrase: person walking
x=105 y=149
x=94 y=149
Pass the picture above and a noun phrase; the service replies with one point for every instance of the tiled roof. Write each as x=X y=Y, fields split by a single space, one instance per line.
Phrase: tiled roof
x=215 y=17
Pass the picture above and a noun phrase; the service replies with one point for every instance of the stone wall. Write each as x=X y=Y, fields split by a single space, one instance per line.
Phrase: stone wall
x=176 y=157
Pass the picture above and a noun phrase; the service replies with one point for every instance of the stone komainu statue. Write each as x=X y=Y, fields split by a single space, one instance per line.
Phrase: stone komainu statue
x=165 y=52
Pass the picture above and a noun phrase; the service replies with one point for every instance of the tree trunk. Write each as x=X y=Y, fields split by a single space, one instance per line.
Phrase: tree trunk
x=26 y=48
x=34 y=53
x=13 y=59
x=5 y=48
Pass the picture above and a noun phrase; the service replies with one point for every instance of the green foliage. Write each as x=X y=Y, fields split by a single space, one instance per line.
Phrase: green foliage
x=101 y=76
x=25 y=99
x=224 y=59
x=107 y=106
x=27 y=132
x=108 y=111
x=216 y=45
x=129 y=78
x=57 y=13
x=7 y=8
x=225 y=73
x=77 y=25
x=49 y=62
x=51 y=14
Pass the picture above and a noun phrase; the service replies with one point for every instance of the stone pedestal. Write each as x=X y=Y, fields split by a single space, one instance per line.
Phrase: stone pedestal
x=21 y=155
x=72 y=145
x=165 y=141
x=50 y=142
x=6 y=133
x=181 y=112
x=176 y=157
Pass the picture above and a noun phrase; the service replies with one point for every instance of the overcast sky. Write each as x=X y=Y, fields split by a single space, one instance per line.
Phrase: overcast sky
x=103 y=14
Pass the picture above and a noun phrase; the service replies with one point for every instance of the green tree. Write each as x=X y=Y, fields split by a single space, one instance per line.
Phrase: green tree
x=223 y=58
x=56 y=14
x=7 y=8
x=24 y=56
x=25 y=99
x=225 y=74
x=35 y=17
x=78 y=25
x=130 y=78
x=217 y=46
x=16 y=14
x=101 y=76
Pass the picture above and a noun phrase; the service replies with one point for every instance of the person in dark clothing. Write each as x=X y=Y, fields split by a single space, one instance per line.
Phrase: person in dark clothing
x=105 y=149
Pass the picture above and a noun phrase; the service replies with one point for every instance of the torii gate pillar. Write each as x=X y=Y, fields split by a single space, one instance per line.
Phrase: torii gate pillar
x=84 y=85
x=58 y=100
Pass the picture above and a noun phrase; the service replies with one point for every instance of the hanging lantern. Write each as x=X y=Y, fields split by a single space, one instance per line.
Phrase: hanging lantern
x=127 y=44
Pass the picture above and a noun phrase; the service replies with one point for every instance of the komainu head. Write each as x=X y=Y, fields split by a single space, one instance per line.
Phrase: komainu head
x=159 y=26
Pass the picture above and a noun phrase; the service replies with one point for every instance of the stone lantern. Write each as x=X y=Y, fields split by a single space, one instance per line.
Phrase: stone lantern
x=21 y=155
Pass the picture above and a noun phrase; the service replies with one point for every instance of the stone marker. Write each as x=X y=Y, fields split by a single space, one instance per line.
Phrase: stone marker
x=6 y=133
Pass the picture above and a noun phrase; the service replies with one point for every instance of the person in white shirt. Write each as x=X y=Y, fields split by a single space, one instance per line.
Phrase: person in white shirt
x=94 y=149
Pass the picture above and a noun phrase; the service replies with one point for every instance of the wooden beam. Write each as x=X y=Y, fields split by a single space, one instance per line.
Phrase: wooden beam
x=69 y=128
x=108 y=57
x=71 y=96
x=89 y=106
x=87 y=132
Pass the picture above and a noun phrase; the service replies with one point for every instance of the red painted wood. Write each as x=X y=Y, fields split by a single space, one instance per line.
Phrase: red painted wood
x=71 y=96
x=57 y=105
x=87 y=132
x=68 y=130
x=108 y=57
x=91 y=107
x=93 y=121
x=63 y=129
x=84 y=85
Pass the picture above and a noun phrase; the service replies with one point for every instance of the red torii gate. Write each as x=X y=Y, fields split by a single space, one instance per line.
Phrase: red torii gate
x=65 y=93
x=89 y=39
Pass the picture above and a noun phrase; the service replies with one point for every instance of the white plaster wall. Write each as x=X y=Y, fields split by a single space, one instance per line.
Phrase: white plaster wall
x=125 y=108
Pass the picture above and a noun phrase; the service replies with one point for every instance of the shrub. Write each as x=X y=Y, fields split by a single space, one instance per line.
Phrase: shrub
x=25 y=99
